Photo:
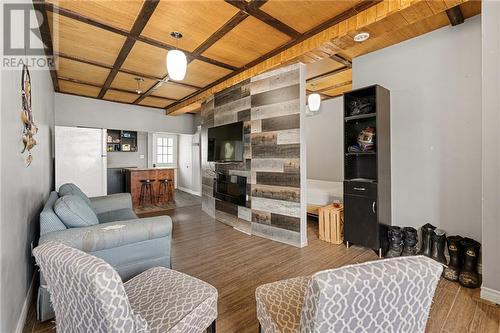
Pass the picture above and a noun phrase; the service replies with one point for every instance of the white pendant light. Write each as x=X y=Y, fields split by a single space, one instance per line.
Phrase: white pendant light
x=176 y=61
x=314 y=102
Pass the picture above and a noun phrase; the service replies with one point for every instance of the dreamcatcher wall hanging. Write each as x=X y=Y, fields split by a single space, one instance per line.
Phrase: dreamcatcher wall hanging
x=29 y=129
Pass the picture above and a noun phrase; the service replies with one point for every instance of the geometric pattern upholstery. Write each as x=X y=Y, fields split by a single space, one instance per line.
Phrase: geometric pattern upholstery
x=171 y=301
x=391 y=295
x=85 y=291
x=88 y=296
x=279 y=304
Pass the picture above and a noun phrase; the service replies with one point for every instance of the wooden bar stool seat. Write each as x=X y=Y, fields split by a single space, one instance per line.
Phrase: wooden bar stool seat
x=147 y=191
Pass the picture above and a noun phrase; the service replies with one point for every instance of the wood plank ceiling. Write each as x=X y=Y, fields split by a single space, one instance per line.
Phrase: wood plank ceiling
x=102 y=46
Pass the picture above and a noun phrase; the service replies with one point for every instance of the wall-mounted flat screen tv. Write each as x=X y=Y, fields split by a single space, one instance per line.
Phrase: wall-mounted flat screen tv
x=225 y=143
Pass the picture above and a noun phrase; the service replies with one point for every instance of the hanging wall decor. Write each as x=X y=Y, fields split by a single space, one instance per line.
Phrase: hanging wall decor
x=29 y=129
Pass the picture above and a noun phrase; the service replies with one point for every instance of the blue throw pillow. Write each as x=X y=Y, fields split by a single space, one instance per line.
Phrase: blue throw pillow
x=74 y=212
x=70 y=188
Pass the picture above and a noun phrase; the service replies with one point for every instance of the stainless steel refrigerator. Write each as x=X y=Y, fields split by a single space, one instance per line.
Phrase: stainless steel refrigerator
x=80 y=158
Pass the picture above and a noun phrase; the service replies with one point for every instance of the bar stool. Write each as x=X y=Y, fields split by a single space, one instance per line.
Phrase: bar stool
x=147 y=188
x=165 y=190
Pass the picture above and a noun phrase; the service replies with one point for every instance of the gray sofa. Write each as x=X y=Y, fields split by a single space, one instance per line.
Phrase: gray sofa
x=129 y=244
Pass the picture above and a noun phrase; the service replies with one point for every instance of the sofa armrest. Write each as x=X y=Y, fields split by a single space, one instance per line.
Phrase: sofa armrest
x=111 y=202
x=113 y=234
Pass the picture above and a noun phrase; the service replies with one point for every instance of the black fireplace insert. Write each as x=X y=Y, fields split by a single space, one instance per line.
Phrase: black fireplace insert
x=231 y=188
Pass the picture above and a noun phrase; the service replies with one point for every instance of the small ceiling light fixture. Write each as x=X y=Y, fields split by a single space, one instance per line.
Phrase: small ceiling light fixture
x=361 y=37
x=138 y=80
x=314 y=102
x=176 y=60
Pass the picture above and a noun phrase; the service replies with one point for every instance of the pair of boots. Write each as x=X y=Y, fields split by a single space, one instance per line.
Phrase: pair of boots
x=433 y=243
x=464 y=253
x=401 y=242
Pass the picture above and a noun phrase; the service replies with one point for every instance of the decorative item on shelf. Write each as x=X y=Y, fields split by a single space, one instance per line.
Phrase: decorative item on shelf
x=395 y=236
x=176 y=60
x=410 y=240
x=469 y=277
x=362 y=105
x=29 y=127
x=427 y=231
x=438 y=238
x=365 y=141
x=452 y=271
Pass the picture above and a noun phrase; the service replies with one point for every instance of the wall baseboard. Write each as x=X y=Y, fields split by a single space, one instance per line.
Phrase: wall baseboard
x=26 y=306
x=189 y=191
x=491 y=295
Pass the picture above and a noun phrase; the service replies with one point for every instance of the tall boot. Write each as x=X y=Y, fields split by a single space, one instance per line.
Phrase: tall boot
x=438 y=239
x=455 y=250
x=469 y=276
x=410 y=241
x=395 y=242
x=427 y=231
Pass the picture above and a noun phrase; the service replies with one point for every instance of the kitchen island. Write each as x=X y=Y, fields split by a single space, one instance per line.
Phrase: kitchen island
x=133 y=177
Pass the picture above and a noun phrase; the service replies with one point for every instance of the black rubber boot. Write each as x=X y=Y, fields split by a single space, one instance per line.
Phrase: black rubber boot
x=438 y=239
x=455 y=250
x=427 y=231
x=395 y=236
x=410 y=241
x=469 y=276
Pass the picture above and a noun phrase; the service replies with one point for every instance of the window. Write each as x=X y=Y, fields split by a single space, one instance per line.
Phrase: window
x=165 y=150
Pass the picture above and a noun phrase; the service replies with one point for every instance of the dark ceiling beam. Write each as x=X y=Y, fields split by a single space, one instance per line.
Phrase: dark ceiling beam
x=323 y=76
x=253 y=9
x=340 y=59
x=122 y=32
x=455 y=15
x=99 y=86
x=123 y=70
x=228 y=26
x=142 y=19
x=361 y=6
x=47 y=41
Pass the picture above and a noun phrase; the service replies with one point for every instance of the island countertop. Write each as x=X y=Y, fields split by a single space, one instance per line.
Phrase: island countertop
x=134 y=176
x=148 y=169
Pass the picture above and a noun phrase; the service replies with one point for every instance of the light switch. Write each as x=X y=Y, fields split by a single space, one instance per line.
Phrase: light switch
x=141 y=156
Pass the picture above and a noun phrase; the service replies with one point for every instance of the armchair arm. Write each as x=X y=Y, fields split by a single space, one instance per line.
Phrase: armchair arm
x=113 y=234
x=111 y=202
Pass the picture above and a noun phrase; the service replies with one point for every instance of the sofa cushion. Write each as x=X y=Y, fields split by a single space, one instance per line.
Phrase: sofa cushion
x=74 y=211
x=117 y=215
x=70 y=188
x=49 y=221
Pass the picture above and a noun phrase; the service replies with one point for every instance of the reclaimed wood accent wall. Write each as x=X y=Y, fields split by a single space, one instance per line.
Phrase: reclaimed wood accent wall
x=270 y=106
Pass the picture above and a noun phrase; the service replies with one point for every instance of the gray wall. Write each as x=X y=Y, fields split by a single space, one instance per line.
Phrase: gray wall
x=491 y=150
x=324 y=138
x=23 y=189
x=81 y=111
x=435 y=84
x=131 y=159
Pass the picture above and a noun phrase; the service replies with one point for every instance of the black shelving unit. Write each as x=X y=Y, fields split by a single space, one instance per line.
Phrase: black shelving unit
x=119 y=141
x=367 y=169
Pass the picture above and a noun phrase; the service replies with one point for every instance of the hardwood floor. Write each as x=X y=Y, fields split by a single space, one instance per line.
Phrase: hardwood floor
x=236 y=264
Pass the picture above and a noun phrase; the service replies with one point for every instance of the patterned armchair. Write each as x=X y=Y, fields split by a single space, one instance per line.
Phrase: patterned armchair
x=89 y=296
x=392 y=295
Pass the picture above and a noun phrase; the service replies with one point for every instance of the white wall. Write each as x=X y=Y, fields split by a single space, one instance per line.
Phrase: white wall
x=324 y=139
x=435 y=84
x=23 y=189
x=490 y=288
x=89 y=112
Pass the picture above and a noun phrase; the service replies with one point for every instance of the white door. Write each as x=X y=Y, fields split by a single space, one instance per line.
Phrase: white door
x=185 y=173
x=196 y=162
x=80 y=158
x=164 y=150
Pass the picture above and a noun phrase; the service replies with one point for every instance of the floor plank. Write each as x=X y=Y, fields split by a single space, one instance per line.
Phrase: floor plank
x=236 y=264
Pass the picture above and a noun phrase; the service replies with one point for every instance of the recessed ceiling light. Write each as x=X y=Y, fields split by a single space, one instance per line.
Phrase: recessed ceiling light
x=361 y=37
